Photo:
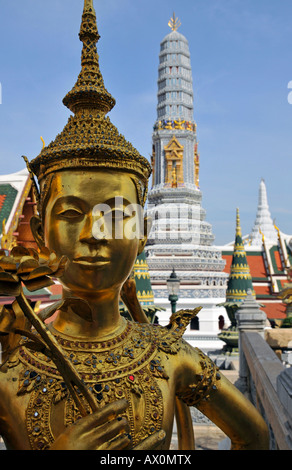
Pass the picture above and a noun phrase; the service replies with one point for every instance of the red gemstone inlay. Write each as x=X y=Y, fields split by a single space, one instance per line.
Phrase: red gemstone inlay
x=131 y=377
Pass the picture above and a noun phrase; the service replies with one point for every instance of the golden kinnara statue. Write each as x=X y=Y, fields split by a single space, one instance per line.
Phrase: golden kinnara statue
x=90 y=379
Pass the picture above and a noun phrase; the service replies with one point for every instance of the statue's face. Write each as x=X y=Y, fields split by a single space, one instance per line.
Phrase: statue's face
x=89 y=219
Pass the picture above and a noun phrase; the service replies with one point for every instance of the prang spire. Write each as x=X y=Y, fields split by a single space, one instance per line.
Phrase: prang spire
x=263 y=225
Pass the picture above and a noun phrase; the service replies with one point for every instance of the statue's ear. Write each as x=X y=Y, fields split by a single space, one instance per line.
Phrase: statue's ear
x=144 y=238
x=37 y=230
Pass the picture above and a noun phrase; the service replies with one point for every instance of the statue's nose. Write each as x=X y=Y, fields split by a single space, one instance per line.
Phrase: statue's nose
x=97 y=227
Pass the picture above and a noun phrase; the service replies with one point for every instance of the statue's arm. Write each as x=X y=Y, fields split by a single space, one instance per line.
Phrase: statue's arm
x=202 y=385
x=237 y=417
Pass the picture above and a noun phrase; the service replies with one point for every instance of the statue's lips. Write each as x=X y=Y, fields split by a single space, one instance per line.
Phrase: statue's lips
x=95 y=261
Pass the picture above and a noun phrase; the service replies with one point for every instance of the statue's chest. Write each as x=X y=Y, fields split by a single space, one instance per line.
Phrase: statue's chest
x=127 y=367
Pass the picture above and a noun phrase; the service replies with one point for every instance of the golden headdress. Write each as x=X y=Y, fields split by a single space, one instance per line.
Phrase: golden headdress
x=89 y=139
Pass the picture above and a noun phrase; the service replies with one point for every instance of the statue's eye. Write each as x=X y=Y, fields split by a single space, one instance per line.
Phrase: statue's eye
x=70 y=214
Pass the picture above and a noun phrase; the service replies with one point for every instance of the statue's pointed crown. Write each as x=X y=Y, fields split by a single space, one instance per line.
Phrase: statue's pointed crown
x=89 y=139
x=89 y=91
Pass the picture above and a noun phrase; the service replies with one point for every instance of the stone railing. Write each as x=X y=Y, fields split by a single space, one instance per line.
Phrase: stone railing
x=263 y=376
x=267 y=384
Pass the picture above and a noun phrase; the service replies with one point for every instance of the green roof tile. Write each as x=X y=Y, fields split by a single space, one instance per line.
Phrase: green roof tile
x=7 y=197
x=240 y=280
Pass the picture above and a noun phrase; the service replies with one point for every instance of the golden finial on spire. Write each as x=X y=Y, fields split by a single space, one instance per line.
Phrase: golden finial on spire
x=238 y=227
x=88 y=4
x=174 y=23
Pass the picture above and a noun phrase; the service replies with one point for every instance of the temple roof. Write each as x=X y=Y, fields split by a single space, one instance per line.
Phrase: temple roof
x=7 y=199
x=17 y=205
x=14 y=191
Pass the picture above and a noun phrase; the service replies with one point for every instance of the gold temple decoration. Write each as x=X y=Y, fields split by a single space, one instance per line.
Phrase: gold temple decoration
x=174 y=163
x=174 y=23
x=197 y=166
x=238 y=225
x=10 y=235
x=3 y=234
x=175 y=124
x=174 y=178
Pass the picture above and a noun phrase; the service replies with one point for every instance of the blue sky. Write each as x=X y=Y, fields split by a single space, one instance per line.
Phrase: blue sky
x=241 y=55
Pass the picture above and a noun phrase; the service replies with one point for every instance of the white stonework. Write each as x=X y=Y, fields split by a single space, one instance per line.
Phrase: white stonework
x=263 y=225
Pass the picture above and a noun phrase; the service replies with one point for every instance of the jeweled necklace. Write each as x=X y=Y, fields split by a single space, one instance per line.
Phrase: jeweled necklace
x=125 y=366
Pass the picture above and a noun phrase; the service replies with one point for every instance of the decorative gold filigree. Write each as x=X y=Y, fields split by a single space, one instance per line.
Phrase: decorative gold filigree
x=27 y=266
x=174 y=23
x=124 y=367
x=171 y=336
x=175 y=124
x=203 y=384
x=174 y=162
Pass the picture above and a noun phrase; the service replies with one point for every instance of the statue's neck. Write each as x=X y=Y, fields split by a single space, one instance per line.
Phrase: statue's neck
x=106 y=320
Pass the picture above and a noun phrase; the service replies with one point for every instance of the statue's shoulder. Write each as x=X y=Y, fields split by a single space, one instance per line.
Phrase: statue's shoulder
x=169 y=338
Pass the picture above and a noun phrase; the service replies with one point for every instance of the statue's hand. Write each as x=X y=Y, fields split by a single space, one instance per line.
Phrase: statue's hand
x=104 y=429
